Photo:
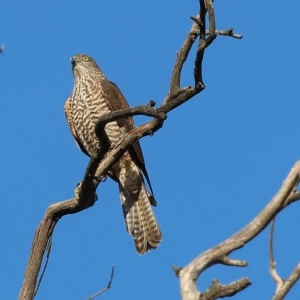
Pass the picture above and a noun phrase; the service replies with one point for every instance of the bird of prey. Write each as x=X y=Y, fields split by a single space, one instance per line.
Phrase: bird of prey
x=93 y=96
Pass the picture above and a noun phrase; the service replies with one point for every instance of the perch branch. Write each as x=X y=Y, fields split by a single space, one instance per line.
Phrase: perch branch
x=146 y=110
x=85 y=196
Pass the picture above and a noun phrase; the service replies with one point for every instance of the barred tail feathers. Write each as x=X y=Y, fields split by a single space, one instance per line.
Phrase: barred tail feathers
x=140 y=220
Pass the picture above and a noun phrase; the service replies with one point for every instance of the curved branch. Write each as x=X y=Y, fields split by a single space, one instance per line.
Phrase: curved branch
x=278 y=280
x=283 y=286
x=189 y=274
x=146 y=110
x=106 y=288
x=180 y=60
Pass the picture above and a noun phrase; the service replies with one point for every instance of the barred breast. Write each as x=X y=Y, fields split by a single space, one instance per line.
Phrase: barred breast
x=88 y=105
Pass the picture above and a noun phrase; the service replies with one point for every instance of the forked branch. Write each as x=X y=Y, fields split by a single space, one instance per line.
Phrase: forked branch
x=189 y=274
x=283 y=286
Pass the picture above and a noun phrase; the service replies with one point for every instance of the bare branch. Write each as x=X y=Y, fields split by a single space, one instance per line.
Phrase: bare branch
x=48 y=249
x=84 y=198
x=200 y=53
x=282 y=286
x=288 y=284
x=278 y=280
x=146 y=110
x=106 y=288
x=217 y=290
x=181 y=58
x=189 y=274
x=228 y=32
x=232 y=262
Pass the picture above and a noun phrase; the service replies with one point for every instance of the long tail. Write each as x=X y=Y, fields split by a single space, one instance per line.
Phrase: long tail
x=140 y=220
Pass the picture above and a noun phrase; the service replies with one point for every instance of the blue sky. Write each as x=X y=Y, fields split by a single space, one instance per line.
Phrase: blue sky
x=216 y=163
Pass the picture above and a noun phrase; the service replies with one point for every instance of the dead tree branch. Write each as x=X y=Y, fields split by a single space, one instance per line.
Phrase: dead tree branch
x=85 y=193
x=106 y=288
x=217 y=290
x=228 y=32
x=287 y=284
x=189 y=274
x=272 y=268
x=283 y=286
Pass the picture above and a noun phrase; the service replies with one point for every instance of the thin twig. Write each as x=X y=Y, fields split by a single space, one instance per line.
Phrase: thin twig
x=48 y=250
x=233 y=262
x=106 y=288
x=229 y=32
x=278 y=280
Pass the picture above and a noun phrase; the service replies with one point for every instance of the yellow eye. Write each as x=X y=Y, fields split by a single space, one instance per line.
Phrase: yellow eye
x=85 y=58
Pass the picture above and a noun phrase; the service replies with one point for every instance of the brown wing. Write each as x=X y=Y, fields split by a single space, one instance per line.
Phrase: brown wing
x=116 y=101
x=68 y=115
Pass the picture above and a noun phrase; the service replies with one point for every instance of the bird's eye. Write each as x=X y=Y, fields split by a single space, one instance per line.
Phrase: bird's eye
x=85 y=58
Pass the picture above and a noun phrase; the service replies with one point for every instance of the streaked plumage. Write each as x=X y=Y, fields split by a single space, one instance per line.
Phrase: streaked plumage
x=93 y=96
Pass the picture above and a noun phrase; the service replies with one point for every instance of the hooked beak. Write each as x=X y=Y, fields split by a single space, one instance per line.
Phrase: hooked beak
x=73 y=61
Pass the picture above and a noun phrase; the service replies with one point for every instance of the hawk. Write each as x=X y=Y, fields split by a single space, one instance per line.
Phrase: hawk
x=93 y=96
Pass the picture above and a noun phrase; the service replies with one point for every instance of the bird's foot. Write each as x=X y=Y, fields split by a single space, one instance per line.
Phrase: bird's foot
x=87 y=193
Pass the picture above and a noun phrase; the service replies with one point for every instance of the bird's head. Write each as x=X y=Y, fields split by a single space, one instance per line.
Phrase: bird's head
x=82 y=64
